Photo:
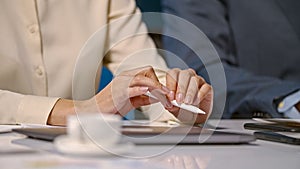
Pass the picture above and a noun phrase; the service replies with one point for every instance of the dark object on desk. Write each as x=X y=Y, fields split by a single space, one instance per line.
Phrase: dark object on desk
x=277 y=137
x=153 y=135
x=271 y=127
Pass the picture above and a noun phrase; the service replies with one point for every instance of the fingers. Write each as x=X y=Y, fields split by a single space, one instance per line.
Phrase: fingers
x=140 y=91
x=137 y=91
x=172 y=78
x=195 y=86
x=184 y=84
x=189 y=88
x=203 y=92
x=192 y=90
x=138 y=82
x=144 y=76
x=141 y=80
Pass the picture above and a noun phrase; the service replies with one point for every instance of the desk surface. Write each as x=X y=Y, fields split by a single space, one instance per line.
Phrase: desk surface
x=16 y=151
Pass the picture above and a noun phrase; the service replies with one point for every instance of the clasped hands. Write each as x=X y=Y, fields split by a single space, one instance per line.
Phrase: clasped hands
x=127 y=91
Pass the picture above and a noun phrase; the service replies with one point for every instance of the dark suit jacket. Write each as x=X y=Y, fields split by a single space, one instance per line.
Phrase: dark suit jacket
x=258 y=42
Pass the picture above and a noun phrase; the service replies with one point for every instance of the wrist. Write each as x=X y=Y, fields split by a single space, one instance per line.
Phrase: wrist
x=60 y=111
x=63 y=108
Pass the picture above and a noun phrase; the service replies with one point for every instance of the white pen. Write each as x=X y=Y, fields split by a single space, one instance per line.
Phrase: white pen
x=190 y=108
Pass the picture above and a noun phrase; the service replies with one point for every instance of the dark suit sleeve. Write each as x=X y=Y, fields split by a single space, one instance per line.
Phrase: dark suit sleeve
x=246 y=92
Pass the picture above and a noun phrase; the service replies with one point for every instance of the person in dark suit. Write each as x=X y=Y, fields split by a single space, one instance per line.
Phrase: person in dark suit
x=259 y=46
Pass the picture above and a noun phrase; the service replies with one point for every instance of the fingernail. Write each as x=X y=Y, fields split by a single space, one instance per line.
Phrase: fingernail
x=144 y=89
x=179 y=97
x=171 y=95
x=188 y=99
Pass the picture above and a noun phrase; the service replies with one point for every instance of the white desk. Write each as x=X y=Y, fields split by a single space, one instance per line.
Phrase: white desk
x=259 y=154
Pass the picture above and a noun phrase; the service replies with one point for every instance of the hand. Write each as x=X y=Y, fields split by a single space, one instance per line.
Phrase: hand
x=125 y=92
x=187 y=87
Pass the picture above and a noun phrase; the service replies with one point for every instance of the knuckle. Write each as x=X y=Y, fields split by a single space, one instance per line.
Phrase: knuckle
x=145 y=70
x=191 y=71
x=188 y=72
x=148 y=67
x=209 y=87
x=185 y=72
x=194 y=79
x=174 y=71
x=201 y=80
x=172 y=74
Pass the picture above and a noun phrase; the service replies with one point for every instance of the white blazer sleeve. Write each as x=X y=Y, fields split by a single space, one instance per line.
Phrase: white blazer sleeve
x=17 y=108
